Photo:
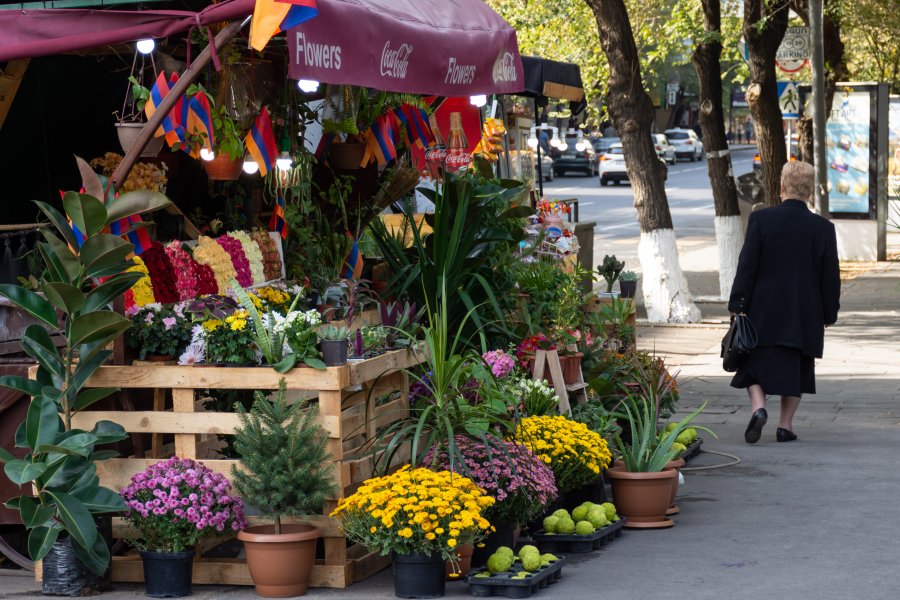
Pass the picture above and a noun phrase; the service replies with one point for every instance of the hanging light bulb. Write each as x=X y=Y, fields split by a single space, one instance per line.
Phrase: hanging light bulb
x=250 y=165
x=307 y=86
x=562 y=146
x=284 y=162
x=556 y=142
x=580 y=145
x=478 y=101
x=207 y=154
x=532 y=142
x=146 y=46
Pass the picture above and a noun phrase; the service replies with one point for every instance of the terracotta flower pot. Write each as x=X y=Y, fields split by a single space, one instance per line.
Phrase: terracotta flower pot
x=223 y=168
x=674 y=464
x=642 y=498
x=280 y=565
x=461 y=569
x=569 y=363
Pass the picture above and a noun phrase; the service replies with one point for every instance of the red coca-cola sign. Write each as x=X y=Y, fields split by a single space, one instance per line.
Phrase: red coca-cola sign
x=457 y=160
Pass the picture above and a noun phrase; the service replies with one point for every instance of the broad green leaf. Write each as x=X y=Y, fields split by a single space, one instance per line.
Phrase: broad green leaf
x=135 y=203
x=88 y=213
x=87 y=478
x=103 y=251
x=63 y=256
x=64 y=296
x=90 y=181
x=315 y=363
x=108 y=432
x=113 y=270
x=40 y=540
x=54 y=271
x=42 y=422
x=101 y=296
x=76 y=517
x=21 y=384
x=80 y=443
x=48 y=359
x=286 y=364
x=59 y=221
x=30 y=302
x=86 y=367
x=6 y=456
x=95 y=557
x=33 y=513
x=101 y=500
x=21 y=472
x=96 y=326
x=21 y=436
x=105 y=455
x=88 y=397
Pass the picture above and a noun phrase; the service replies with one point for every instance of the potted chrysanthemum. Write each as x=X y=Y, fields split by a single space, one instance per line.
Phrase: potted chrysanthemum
x=419 y=517
x=173 y=505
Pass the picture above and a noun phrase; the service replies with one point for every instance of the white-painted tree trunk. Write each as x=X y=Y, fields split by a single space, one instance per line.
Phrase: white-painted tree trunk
x=730 y=240
x=666 y=294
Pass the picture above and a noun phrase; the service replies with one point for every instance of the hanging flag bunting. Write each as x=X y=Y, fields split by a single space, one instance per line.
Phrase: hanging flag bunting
x=273 y=16
x=406 y=124
x=177 y=116
x=353 y=264
x=260 y=142
x=199 y=121
x=278 y=222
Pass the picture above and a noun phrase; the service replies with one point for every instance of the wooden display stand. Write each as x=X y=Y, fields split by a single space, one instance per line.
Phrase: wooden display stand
x=349 y=397
x=550 y=360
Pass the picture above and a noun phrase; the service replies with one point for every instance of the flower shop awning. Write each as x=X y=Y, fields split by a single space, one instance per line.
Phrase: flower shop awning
x=432 y=47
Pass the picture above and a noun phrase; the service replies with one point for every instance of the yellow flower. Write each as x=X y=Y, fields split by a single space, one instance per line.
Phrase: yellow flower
x=142 y=291
x=238 y=325
x=430 y=536
x=406 y=532
x=211 y=325
x=451 y=543
x=373 y=529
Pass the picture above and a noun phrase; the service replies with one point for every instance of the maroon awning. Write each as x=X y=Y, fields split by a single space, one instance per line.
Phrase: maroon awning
x=438 y=47
x=30 y=33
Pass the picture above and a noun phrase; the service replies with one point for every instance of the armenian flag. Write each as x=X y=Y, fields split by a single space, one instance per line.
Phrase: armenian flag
x=178 y=117
x=158 y=92
x=199 y=121
x=381 y=139
x=278 y=222
x=137 y=235
x=260 y=142
x=353 y=264
x=273 y=16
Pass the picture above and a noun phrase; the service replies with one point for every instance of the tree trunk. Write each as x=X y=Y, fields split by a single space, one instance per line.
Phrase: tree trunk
x=666 y=294
x=765 y=22
x=729 y=229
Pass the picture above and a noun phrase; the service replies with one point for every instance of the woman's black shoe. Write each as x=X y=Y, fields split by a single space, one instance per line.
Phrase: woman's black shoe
x=754 y=427
x=785 y=435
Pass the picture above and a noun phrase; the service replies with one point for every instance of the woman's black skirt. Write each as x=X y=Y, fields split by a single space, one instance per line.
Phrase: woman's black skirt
x=779 y=371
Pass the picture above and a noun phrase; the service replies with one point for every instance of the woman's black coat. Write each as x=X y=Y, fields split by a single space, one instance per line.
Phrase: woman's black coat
x=788 y=280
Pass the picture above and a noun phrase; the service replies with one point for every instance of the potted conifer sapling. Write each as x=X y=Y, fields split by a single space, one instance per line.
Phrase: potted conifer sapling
x=285 y=471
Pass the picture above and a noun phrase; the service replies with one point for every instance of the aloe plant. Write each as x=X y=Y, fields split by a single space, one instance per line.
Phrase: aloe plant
x=79 y=284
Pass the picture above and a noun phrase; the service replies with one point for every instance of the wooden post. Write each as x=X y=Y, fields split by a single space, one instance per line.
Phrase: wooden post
x=177 y=91
x=185 y=443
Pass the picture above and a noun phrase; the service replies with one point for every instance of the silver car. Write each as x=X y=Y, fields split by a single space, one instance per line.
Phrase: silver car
x=687 y=144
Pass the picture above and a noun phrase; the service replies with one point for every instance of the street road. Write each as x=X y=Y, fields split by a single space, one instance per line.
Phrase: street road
x=617 y=231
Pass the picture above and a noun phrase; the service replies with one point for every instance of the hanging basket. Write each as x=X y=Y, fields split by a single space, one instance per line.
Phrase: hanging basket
x=346 y=155
x=128 y=134
x=223 y=168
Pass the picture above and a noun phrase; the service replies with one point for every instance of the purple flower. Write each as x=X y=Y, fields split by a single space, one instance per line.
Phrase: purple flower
x=169 y=322
x=501 y=363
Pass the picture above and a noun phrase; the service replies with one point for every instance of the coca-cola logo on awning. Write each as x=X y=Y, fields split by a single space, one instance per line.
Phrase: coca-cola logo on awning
x=505 y=68
x=394 y=62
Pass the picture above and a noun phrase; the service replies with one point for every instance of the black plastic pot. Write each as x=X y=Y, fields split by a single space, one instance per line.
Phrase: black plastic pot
x=628 y=288
x=65 y=575
x=334 y=352
x=418 y=575
x=168 y=574
x=592 y=492
x=502 y=537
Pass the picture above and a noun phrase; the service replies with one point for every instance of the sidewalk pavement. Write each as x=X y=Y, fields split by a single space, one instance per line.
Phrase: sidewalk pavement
x=812 y=519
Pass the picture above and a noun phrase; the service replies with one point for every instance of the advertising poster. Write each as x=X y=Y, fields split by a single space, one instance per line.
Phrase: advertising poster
x=894 y=149
x=848 y=153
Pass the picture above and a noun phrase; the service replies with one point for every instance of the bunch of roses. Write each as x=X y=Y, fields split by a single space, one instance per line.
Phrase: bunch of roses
x=209 y=253
x=416 y=510
x=575 y=453
x=161 y=273
x=526 y=349
x=177 y=502
x=509 y=472
x=238 y=259
x=270 y=254
x=187 y=281
x=141 y=293
x=501 y=363
x=253 y=254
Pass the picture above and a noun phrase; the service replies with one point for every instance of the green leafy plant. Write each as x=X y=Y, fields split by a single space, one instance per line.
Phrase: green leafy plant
x=59 y=465
x=609 y=270
x=628 y=276
x=335 y=334
x=270 y=339
x=598 y=419
x=140 y=94
x=286 y=465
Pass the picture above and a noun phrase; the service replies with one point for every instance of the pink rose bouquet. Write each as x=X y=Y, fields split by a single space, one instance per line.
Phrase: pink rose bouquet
x=177 y=502
x=241 y=265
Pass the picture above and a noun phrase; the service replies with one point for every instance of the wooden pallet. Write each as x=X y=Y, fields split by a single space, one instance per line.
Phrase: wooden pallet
x=354 y=401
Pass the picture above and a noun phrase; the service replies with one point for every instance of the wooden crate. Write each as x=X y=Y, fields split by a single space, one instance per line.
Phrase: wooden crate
x=349 y=397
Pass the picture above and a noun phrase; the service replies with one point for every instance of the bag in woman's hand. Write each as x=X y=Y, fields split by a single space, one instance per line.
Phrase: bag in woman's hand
x=737 y=343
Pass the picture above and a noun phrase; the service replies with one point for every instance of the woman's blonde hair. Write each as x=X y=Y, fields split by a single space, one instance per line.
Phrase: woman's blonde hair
x=798 y=180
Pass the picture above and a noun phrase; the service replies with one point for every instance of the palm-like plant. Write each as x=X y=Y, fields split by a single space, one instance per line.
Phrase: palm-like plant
x=79 y=284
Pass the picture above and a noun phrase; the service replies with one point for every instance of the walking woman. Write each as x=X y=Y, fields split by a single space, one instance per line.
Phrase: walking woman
x=788 y=283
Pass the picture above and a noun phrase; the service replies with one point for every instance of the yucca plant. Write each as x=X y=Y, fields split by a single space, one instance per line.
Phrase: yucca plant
x=78 y=286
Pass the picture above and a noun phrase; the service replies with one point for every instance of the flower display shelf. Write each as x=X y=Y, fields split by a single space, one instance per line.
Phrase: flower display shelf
x=354 y=401
x=503 y=584
x=578 y=544
x=693 y=450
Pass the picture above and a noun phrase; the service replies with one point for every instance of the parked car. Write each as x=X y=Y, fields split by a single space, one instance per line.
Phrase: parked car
x=687 y=144
x=612 y=166
x=664 y=149
x=546 y=167
x=573 y=159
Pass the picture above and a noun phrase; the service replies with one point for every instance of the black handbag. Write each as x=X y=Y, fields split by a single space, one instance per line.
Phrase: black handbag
x=738 y=342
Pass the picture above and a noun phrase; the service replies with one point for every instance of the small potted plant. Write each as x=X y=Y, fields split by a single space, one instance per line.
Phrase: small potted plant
x=423 y=535
x=131 y=120
x=158 y=334
x=173 y=505
x=286 y=471
x=627 y=284
x=335 y=343
x=300 y=334
x=609 y=272
x=226 y=161
x=230 y=341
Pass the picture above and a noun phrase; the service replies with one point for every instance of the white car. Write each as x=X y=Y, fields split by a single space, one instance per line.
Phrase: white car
x=612 y=166
x=664 y=149
x=687 y=144
x=546 y=168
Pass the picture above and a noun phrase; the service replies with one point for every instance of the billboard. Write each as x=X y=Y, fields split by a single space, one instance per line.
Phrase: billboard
x=893 y=190
x=849 y=152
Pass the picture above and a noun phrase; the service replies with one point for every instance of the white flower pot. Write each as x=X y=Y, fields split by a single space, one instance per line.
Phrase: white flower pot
x=128 y=134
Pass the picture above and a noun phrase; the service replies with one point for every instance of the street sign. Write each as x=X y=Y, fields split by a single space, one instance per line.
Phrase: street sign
x=789 y=99
x=672 y=93
x=794 y=51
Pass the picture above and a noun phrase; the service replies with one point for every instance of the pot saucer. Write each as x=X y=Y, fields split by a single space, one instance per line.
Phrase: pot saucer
x=650 y=524
x=672 y=510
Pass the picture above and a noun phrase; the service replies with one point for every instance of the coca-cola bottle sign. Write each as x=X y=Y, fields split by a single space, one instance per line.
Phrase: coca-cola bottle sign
x=458 y=157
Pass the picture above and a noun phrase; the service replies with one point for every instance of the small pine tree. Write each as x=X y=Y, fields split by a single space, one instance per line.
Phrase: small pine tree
x=287 y=467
